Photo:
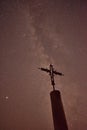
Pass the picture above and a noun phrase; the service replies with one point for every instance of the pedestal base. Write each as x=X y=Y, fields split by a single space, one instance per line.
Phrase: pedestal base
x=58 y=111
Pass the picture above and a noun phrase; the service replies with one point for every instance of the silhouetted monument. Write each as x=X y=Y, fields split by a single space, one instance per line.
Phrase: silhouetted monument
x=56 y=102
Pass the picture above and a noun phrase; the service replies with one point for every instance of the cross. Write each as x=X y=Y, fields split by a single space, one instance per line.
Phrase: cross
x=51 y=72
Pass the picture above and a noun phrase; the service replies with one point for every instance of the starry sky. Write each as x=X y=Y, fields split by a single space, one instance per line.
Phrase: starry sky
x=35 y=33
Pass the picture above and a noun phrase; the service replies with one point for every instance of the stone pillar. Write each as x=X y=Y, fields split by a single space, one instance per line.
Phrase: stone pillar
x=59 y=119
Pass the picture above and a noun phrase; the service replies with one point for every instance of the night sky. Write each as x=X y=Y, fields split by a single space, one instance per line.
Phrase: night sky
x=35 y=33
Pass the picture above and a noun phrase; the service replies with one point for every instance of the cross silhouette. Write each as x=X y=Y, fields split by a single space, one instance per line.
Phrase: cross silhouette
x=51 y=72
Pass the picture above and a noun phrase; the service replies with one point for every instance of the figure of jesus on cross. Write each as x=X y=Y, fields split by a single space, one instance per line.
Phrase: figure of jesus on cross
x=51 y=72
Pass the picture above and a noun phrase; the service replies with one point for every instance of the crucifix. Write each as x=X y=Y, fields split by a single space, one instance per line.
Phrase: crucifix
x=51 y=72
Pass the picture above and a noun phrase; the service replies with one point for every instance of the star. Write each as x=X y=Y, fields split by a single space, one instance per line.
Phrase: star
x=6 y=97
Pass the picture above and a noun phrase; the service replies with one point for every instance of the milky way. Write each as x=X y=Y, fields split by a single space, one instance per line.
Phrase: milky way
x=34 y=34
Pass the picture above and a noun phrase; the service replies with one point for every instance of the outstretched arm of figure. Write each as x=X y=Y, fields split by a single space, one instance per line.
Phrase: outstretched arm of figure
x=58 y=73
x=43 y=69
